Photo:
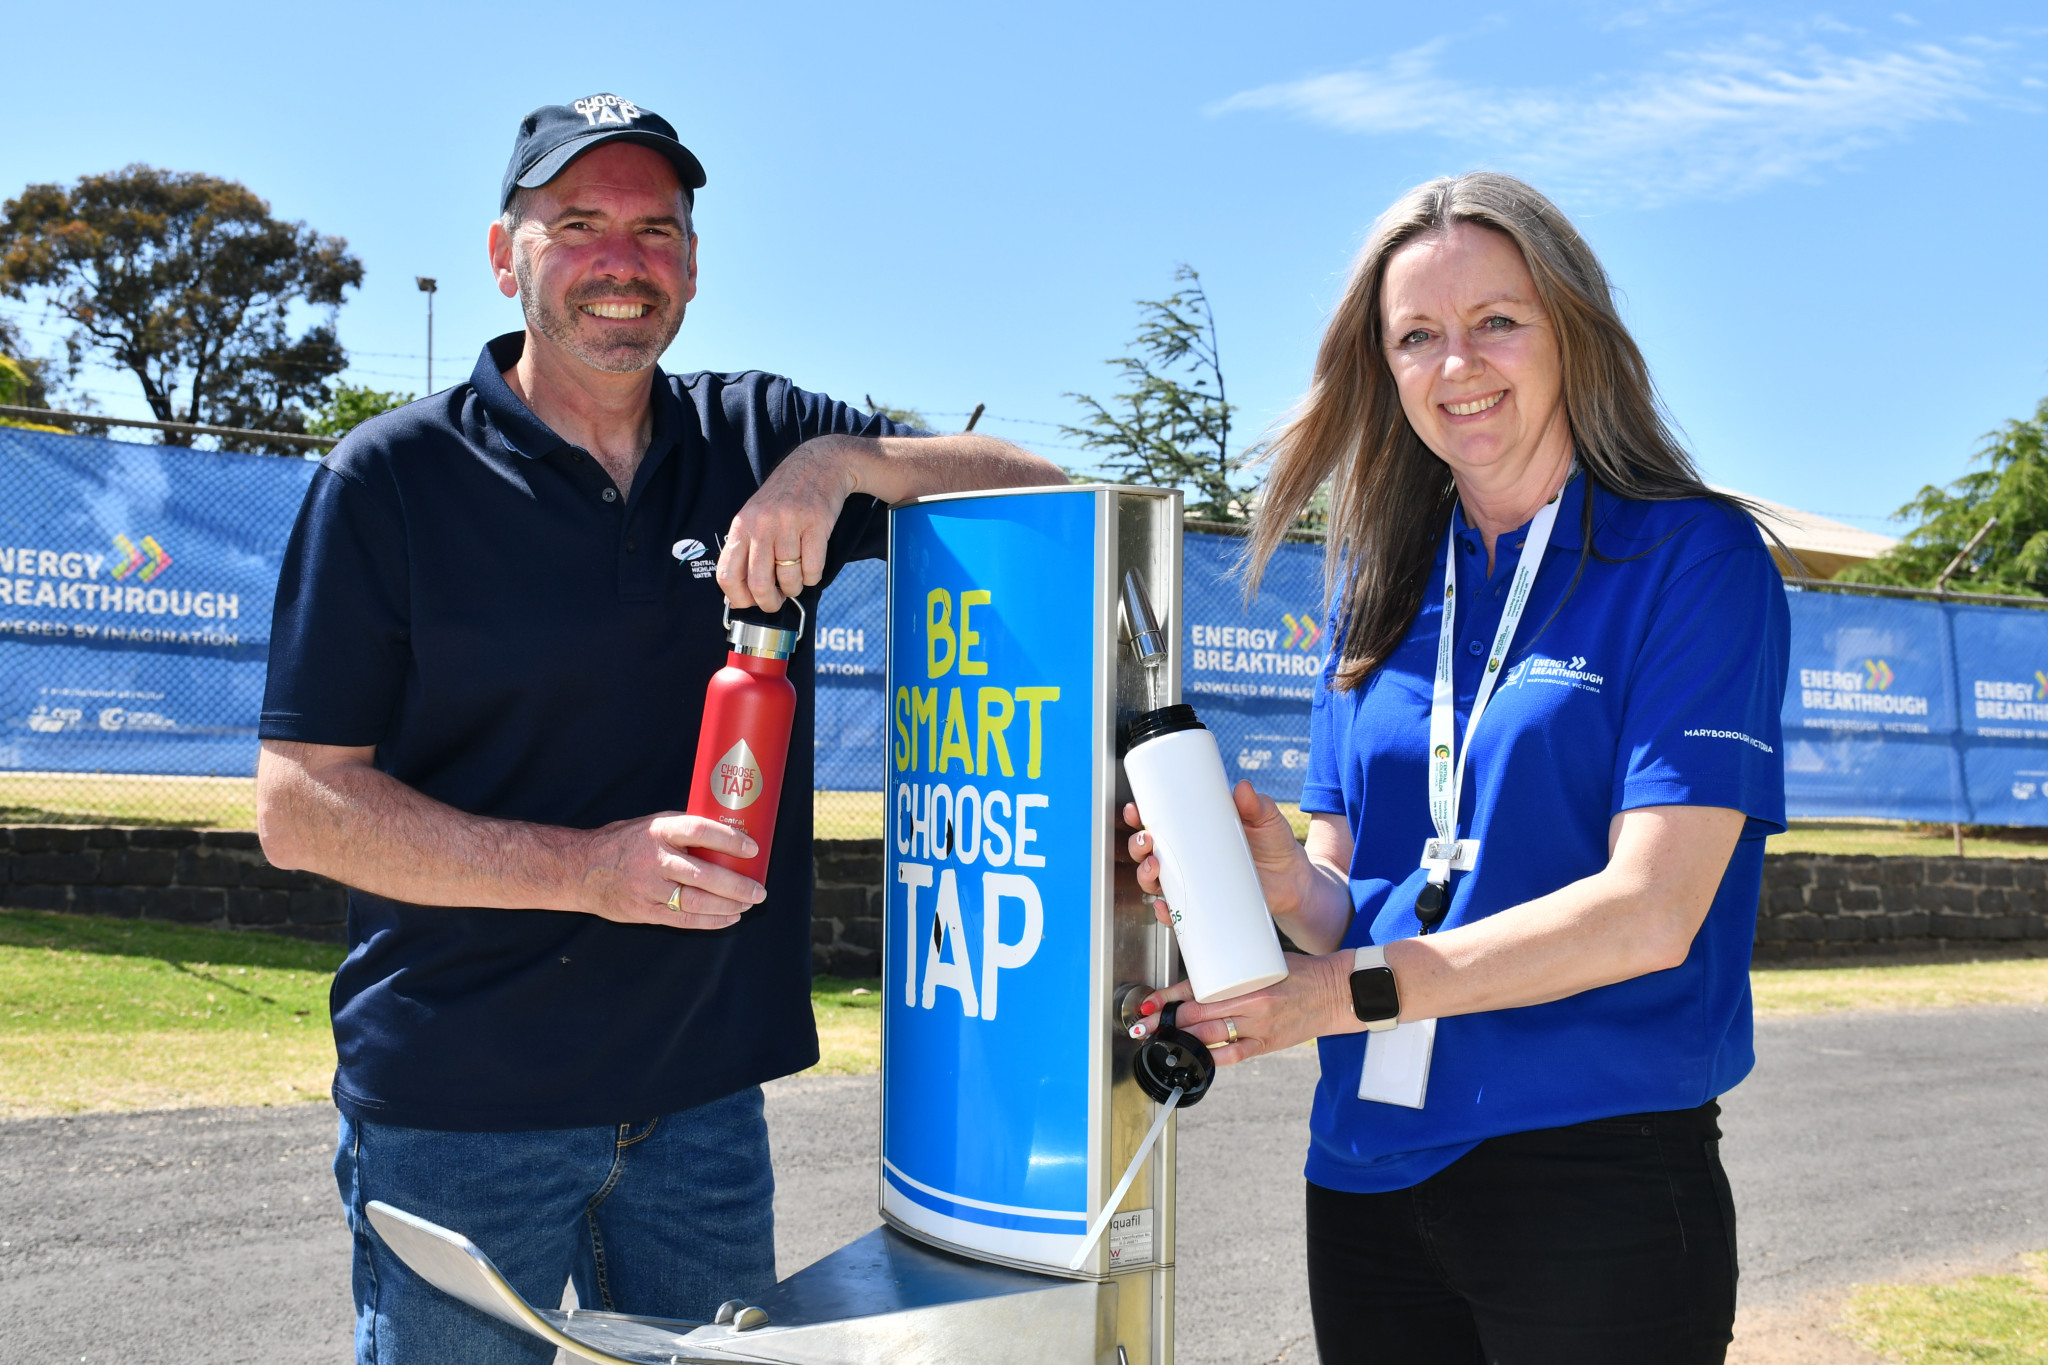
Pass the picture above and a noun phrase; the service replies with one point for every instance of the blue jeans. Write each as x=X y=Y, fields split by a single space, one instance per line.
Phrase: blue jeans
x=667 y=1218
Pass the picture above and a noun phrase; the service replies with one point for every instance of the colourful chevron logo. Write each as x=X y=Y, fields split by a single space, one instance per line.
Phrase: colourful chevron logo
x=1302 y=631
x=1877 y=674
x=2041 y=685
x=146 y=561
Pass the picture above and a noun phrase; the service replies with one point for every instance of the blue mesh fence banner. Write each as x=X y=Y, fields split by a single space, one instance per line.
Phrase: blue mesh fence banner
x=135 y=595
x=852 y=625
x=1250 y=671
x=1917 y=710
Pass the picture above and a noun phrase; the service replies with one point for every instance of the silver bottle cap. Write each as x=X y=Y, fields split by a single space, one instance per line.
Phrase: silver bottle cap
x=763 y=642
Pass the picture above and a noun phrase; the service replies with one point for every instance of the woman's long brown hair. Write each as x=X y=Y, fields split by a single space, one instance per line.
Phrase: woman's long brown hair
x=1390 y=497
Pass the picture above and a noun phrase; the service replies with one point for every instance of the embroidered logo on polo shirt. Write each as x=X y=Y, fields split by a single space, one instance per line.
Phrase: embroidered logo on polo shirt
x=695 y=554
x=1570 y=672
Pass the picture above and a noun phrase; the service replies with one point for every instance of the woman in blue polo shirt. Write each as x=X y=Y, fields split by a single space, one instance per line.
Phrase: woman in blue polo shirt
x=1544 y=757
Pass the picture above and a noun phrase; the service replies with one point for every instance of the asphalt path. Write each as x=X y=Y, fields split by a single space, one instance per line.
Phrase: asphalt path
x=1866 y=1147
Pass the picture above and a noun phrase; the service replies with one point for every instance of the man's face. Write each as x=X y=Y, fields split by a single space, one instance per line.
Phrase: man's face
x=602 y=262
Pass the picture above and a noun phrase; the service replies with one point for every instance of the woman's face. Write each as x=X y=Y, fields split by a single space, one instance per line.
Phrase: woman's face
x=1473 y=353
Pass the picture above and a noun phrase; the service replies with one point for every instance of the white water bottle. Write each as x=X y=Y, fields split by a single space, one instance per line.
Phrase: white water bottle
x=1226 y=934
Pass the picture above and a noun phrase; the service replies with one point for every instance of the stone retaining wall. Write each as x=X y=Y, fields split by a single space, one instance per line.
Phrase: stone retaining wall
x=1813 y=905
x=1820 y=905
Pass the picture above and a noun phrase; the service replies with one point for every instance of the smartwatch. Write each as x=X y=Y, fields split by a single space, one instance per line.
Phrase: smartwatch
x=1374 y=998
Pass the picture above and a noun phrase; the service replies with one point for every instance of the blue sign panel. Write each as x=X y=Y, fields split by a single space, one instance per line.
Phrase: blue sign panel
x=991 y=862
x=135 y=595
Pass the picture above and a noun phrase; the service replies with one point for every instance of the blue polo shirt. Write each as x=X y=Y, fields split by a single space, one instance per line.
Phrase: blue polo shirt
x=520 y=638
x=1648 y=672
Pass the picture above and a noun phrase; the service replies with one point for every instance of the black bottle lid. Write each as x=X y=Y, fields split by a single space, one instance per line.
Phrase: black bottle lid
x=1164 y=721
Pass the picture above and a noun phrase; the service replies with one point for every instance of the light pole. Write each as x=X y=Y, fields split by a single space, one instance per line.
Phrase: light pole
x=428 y=287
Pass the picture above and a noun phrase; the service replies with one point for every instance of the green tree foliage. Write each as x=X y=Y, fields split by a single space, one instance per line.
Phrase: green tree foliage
x=350 y=407
x=188 y=283
x=2012 y=485
x=1171 y=425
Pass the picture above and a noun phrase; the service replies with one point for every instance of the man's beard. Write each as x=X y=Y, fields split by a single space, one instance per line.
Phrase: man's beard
x=618 y=354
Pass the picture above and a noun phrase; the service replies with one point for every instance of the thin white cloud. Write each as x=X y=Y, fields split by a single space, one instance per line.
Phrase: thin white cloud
x=1707 y=124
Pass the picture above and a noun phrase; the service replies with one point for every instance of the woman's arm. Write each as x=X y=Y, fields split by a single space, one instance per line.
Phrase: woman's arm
x=1637 y=915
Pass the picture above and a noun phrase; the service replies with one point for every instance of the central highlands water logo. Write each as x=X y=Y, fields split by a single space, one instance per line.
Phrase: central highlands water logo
x=1302 y=631
x=1877 y=675
x=146 y=560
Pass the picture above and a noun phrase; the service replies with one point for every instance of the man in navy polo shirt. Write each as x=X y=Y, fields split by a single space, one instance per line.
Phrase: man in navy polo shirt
x=495 y=625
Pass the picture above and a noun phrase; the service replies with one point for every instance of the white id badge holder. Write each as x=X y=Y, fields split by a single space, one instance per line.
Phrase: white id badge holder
x=1397 y=1064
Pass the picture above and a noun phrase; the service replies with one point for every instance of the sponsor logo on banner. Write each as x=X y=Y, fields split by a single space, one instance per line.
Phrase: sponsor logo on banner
x=1288 y=655
x=2002 y=699
x=1862 y=698
x=121 y=585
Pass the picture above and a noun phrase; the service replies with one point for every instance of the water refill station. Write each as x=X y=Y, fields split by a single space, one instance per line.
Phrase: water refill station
x=1019 y=1225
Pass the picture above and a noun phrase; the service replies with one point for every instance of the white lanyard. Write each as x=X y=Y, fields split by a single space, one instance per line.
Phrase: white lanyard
x=1447 y=781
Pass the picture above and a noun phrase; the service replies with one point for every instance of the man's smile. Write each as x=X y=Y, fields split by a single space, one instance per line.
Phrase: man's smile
x=617 y=310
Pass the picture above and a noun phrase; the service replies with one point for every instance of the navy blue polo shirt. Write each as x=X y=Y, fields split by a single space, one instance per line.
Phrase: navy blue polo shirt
x=519 y=638
x=1649 y=672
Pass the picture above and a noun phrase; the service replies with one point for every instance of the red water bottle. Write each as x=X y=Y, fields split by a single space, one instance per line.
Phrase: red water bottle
x=743 y=746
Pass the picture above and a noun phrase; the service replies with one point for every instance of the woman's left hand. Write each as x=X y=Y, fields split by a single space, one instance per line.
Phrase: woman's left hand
x=1314 y=1001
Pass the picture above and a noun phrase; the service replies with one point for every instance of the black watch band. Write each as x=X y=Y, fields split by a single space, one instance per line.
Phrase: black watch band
x=1375 y=999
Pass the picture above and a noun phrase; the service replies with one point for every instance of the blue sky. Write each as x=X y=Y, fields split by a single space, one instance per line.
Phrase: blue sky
x=1827 y=225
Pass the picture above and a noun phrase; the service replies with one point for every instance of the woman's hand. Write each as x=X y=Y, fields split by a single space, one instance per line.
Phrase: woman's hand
x=1313 y=1002
x=1282 y=866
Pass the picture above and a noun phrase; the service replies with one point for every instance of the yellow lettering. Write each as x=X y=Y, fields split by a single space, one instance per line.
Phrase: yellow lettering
x=905 y=750
x=924 y=712
x=956 y=724
x=1033 y=697
x=973 y=597
x=938 y=627
x=995 y=712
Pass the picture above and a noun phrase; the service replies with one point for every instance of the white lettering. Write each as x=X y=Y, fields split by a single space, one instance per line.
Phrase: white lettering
x=955 y=973
x=996 y=851
x=912 y=876
x=1025 y=834
x=996 y=887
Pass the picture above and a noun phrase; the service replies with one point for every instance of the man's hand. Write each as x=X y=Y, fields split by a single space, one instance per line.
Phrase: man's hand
x=635 y=865
x=776 y=545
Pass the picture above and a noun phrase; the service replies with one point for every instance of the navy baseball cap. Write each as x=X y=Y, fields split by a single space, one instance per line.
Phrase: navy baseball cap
x=554 y=135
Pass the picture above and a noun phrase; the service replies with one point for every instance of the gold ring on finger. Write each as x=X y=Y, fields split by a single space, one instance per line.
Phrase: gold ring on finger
x=785 y=563
x=675 y=899
x=1230 y=1029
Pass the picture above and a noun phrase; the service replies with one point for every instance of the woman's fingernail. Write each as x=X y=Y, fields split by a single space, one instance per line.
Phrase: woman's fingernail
x=1138 y=1029
x=1149 y=1007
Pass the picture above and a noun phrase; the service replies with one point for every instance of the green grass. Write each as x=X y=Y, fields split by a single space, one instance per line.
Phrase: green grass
x=121 y=799
x=1983 y=1320
x=1782 y=991
x=111 y=1014
x=1901 y=839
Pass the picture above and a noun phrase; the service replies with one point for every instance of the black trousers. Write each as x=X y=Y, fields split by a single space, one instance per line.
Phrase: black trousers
x=1605 y=1243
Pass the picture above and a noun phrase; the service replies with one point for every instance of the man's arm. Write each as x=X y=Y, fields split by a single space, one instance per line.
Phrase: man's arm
x=326 y=809
x=791 y=516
